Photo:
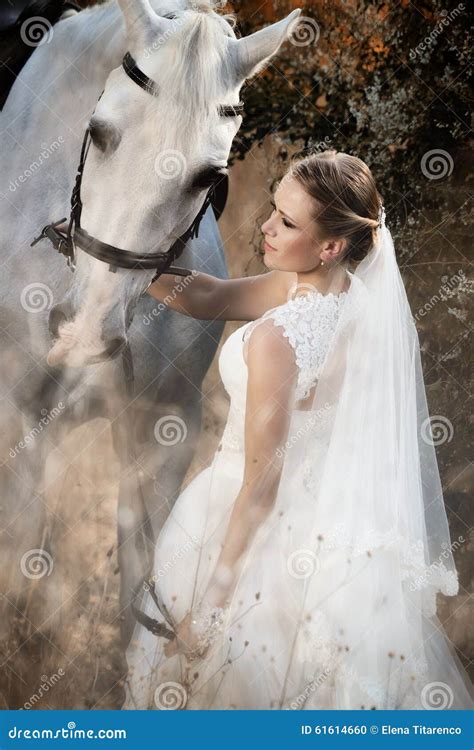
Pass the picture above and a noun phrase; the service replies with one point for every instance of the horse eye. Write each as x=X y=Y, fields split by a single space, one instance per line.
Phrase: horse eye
x=208 y=177
x=98 y=137
x=105 y=136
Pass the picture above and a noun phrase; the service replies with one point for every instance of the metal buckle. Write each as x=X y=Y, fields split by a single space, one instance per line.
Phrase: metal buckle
x=64 y=244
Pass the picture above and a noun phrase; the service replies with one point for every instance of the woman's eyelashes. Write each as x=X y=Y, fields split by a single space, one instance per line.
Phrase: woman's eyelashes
x=285 y=221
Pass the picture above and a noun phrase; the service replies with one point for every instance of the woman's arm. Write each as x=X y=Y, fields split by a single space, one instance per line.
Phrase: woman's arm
x=207 y=297
x=190 y=295
x=272 y=374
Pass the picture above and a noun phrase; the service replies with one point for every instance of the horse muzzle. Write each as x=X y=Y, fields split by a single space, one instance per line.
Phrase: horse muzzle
x=70 y=349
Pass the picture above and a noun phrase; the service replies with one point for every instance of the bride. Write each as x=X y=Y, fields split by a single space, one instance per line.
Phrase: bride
x=300 y=569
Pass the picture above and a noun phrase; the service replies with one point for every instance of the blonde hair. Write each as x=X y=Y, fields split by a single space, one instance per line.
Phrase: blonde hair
x=348 y=204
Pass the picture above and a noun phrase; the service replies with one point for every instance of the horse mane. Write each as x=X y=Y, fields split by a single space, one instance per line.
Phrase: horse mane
x=194 y=81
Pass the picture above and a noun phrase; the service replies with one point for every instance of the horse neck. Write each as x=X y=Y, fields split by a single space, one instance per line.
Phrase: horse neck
x=44 y=117
x=50 y=103
x=82 y=51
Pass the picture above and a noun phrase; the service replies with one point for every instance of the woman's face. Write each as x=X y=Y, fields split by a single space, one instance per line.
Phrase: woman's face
x=291 y=241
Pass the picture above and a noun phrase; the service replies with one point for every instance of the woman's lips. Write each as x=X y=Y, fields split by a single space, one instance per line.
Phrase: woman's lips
x=269 y=248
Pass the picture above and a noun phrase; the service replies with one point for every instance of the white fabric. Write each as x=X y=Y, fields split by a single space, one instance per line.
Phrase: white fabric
x=309 y=322
x=335 y=606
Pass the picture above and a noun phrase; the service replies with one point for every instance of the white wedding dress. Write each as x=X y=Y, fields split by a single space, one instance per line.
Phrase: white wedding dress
x=263 y=658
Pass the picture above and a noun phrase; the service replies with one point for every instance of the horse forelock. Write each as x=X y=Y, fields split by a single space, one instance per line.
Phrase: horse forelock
x=197 y=71
x=209 y=6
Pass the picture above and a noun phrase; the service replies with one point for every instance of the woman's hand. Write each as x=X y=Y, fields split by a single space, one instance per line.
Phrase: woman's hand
x=186 y=639
x=197 y=631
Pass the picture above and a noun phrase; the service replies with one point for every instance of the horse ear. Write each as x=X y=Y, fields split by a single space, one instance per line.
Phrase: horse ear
x=141 y=22
x=252 y=53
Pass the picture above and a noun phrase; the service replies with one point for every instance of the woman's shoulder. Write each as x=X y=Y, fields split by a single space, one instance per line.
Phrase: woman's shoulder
x=297 y=311
x=298 y=330
x=270 y=356
x=267 y=339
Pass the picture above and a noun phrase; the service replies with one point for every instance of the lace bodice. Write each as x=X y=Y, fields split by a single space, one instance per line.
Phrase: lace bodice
x=309 y=322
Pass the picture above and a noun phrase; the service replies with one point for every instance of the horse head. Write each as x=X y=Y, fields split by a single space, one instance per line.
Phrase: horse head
x=153 y=156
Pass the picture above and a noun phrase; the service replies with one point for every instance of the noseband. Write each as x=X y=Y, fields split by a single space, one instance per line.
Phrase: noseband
x=65 y=242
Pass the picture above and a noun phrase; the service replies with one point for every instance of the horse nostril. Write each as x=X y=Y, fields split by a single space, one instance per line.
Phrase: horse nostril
x=57 y=315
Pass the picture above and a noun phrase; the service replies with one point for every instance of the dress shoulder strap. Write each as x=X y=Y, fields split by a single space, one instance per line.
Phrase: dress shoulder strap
x=308 y=322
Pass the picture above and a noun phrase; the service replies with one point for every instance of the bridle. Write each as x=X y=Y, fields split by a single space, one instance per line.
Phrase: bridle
x=65 y=242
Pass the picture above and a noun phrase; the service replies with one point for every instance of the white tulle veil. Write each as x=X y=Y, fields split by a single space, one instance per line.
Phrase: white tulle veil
x=335 y=601
x=374 y=476
x=358 y=544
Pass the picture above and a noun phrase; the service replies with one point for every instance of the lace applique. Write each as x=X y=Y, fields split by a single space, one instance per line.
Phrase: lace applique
x=326 y=650
x=427 y=579
x=309 y=322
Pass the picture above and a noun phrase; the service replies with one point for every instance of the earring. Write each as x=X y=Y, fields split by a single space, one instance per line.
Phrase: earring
x=322 y=263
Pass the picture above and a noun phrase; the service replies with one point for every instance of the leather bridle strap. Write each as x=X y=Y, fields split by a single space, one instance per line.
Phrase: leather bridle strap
x=118 y=258
x=133 y=71
x=115 y=256
x=122 y=258
x=131 y=260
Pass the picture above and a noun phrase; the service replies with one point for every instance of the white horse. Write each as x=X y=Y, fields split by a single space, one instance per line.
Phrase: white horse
x=136 y=199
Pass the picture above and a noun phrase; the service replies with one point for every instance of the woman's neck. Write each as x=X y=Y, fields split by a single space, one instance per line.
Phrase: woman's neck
x=324 y=279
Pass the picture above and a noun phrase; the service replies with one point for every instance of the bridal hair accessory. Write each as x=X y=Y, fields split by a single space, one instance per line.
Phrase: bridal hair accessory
x=381 y=216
